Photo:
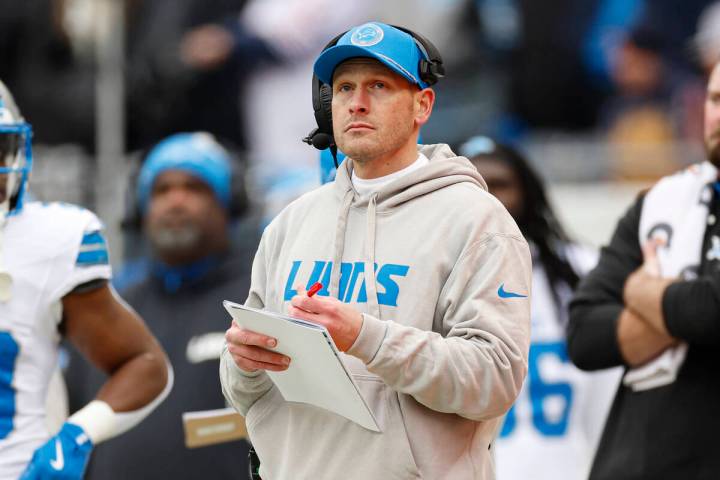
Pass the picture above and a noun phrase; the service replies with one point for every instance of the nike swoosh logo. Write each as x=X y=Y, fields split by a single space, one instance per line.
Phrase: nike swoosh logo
x=502 y=293
x=59 y=462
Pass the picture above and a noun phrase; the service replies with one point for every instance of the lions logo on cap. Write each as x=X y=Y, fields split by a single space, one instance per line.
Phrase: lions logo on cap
x=367 y=35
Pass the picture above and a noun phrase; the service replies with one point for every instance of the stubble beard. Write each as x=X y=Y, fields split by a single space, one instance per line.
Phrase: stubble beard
x=374 y=145
x=175 y=240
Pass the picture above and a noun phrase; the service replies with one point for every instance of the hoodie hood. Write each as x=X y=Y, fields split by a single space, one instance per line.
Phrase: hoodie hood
x=445 y=168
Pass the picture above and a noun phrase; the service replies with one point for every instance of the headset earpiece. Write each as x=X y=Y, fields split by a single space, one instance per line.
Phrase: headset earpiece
x=322 y=136
x=431 y=66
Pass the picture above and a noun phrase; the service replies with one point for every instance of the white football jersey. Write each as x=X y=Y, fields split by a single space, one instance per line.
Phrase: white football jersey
x=553 y=428
x=48 y=250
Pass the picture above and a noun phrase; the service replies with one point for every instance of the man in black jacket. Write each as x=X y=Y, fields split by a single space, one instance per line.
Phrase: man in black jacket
x=184 y=193
x=653 y=305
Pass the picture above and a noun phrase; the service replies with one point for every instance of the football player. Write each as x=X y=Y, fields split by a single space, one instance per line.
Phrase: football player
x=54 y=273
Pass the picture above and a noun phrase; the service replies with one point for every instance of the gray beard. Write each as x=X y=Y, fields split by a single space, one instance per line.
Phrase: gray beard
x=174 y=240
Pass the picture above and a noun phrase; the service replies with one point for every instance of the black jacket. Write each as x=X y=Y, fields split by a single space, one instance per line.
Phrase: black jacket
x=183 y=313
x=671 y=431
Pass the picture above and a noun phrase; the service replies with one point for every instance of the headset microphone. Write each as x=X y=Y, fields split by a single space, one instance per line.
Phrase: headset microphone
x=318 y=139
x=321 y=141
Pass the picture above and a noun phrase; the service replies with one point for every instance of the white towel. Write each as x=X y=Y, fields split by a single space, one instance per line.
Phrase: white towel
x=675 y=210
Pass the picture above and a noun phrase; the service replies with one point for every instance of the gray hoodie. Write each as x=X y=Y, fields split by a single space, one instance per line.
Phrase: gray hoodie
x=443 y=348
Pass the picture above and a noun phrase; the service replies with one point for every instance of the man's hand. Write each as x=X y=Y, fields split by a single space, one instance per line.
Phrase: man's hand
x=63 y=457
x=639 y=342
x=342 y=321
x=250 y=350
x=206 y=47
x=645 y=287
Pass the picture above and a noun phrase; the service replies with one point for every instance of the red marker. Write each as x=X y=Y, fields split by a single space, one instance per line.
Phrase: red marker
x=316 y=287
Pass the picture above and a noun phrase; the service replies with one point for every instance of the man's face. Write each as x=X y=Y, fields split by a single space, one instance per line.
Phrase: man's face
x=503 y=183
x=183 y=212
x=374 y=109
x=712 y=117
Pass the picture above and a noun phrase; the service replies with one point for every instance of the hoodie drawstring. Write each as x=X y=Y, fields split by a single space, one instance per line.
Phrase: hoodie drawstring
x=339 y=247
x=340 y=231
x=370 y=277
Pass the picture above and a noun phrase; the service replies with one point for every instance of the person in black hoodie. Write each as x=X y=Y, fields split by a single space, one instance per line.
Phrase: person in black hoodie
x=184 y=193
x=652 y=305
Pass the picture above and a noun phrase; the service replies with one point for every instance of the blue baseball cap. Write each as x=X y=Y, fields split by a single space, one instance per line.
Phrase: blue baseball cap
x=198 y=154
x=392 y=47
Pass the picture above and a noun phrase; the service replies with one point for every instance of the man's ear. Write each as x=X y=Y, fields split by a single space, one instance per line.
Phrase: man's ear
x=424 y=101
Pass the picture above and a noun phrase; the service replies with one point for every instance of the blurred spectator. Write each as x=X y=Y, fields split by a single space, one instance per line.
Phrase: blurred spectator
x=550 y=87
x=645 y=78
x=612 y=19
x=671 y=23
x=179 y=77
x=651 y=306
x=658 y=89
x=556 y=421
x=185 y=195
x=54 y=84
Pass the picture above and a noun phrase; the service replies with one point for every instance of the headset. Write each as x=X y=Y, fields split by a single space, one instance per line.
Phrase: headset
x=431 y=70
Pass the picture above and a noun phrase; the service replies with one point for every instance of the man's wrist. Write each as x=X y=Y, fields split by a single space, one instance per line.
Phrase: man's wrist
x=368 y=342
x=97 y=419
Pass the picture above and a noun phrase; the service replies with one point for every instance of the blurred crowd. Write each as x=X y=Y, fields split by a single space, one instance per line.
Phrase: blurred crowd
x=239 y=69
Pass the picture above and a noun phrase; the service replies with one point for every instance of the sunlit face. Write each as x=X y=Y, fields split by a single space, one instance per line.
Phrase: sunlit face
x=374 y=110
x=503 y=183
x=183 y=211
x=712 y=117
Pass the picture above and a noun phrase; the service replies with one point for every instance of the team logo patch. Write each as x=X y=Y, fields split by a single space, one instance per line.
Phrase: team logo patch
x=367 y=35
x=662 y=233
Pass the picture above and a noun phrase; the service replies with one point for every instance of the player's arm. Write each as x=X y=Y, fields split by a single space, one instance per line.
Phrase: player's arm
x=113 y=338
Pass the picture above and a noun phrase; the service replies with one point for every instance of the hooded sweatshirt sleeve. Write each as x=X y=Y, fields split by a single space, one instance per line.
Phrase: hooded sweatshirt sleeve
x=240 y=388
x=474 y=365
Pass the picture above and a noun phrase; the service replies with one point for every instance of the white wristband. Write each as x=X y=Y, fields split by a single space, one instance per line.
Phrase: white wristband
x=100 y=422
x=97 y=419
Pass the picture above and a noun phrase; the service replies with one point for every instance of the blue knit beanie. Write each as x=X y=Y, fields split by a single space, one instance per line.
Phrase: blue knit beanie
x=198 y=154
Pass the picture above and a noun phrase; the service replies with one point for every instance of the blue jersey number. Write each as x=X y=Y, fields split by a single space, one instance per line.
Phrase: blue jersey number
x=540 y=391
x=8 y=354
